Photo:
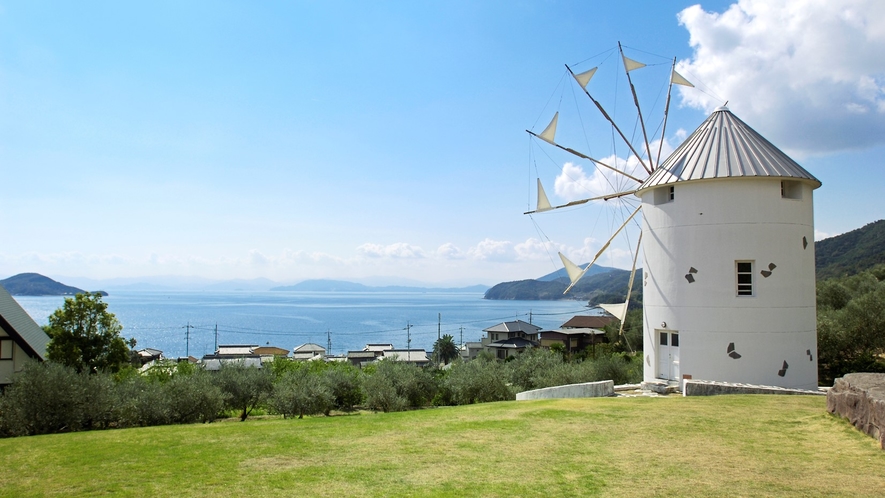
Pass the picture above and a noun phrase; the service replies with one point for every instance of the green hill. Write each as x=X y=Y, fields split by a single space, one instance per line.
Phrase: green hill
x=851 y=252
x=606 y=286
x=34 y=284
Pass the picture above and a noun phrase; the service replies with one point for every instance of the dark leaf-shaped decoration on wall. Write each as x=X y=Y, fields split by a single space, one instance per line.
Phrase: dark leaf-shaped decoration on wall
x=783 y=371
x=731 y=352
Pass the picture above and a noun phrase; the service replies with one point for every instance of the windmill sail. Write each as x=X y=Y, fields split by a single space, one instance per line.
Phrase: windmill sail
x=543 y=203
x=584 y=78
x=630 y=64
x=549 y=132
x=618 y=310
x=678 y=79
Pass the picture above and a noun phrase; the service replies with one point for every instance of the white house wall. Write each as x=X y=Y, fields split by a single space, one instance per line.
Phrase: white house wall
x=707 y=227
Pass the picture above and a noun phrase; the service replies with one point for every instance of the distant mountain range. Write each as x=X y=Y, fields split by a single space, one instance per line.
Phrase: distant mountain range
x=343 y=286
x=841 y=255
x=845 y=254
x=34 y=284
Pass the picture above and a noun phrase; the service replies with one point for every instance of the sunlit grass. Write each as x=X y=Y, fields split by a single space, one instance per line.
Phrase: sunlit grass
x=716 y=446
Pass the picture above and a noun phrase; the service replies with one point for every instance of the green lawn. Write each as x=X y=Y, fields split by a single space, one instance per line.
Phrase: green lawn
x=703 y=446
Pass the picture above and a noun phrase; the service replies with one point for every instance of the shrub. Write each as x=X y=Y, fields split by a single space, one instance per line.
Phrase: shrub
x=396 y=385
x=244 y=387
x=48 y=397
x=525 y=370
x=301 y=392
x=476 y=381
x=345 y=382
x=193 y=398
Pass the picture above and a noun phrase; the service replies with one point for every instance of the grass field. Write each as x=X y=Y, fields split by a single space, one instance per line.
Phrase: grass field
x=674 y=446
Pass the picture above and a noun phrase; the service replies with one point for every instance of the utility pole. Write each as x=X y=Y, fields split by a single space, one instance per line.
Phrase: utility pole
x=530 y=317
x=408 y=336
x=328 y=342
x=462 y=335
x=187 y=339
x=216 y=336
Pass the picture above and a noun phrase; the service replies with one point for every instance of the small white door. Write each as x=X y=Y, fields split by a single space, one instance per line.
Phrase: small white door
x=668 y=354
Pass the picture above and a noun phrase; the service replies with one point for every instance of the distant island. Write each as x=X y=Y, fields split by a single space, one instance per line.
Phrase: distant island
x=34 y=284
x=601 y=284
x=322 y=285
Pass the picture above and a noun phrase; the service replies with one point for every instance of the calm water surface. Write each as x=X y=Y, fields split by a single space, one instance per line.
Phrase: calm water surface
x=287 y=319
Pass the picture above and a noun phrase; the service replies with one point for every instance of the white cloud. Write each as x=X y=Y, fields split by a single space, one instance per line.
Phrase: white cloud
x=450 y=251
x=492 y=249
x=399 y=250
x=809 y=75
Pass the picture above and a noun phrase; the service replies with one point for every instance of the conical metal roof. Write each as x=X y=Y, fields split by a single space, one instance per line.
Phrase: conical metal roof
x=723 y=146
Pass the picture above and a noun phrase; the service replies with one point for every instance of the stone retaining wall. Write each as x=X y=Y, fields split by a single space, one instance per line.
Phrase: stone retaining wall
x=860 y=397
x=710 y=388
x=585 y=390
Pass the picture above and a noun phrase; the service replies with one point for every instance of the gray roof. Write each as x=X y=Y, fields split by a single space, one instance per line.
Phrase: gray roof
x=309 y=348
x=577 y=331
x=16 y=322
x=723 y=146
x=516 y=326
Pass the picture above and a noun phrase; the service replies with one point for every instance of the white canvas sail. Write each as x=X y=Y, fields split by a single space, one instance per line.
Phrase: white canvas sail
x=543 y=203
x=678 y=79
x=549 y=132
x=630 y=64
x=618 y=310
x=574 y=271
x=584 y=77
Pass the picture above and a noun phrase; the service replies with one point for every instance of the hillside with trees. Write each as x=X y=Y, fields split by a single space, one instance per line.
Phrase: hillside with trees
x=851 y=252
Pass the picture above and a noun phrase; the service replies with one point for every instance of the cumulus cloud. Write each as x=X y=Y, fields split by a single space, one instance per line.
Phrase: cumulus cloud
x=450 y=251
x=399 y=250
x=491 y=249
x=809 y=75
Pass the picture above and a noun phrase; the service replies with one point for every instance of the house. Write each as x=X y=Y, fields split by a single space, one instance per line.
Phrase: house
x=378 y=347
x=469 y=350
x=578 y=333
x=588 y=321
x=509 y=338
x=418 y=357
x=361 y=358
x=20 y=338
x=309 y=351
x=271 y=351
x=148 y=355
x=233 y=354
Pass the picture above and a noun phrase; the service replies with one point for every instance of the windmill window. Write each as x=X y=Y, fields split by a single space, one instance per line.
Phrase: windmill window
x=791 y=189
x=744 y=270
x=6 y=349
x=664 y=195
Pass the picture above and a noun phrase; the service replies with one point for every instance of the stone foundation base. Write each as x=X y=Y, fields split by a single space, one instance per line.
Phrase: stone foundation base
x=710 y=388
x=860 y=397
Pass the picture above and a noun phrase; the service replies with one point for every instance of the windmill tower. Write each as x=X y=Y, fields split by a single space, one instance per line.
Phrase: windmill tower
x=729 y=274
x=728 y=250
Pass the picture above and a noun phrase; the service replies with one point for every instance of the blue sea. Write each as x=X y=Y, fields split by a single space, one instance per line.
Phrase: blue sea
x=184 y=322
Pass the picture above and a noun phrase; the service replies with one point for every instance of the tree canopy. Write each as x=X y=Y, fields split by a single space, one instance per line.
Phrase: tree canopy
x=85 y=336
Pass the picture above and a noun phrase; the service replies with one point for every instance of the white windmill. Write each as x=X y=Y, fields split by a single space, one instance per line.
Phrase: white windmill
x=728 y=252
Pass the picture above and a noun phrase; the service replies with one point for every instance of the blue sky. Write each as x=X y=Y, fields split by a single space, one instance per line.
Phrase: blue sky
x=349 y=140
